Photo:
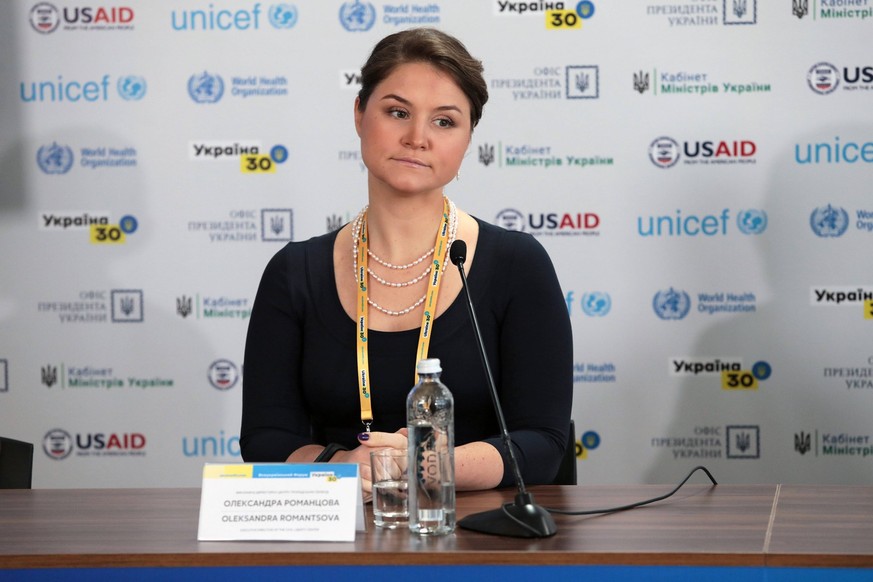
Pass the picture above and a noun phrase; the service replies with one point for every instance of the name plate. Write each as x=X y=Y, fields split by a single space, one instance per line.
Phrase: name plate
x=281 y=501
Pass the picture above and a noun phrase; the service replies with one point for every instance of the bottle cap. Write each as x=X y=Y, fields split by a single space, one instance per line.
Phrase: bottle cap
x=429 y=366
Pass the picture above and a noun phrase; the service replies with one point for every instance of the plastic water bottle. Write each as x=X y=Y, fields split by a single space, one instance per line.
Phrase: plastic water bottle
x=431 y=424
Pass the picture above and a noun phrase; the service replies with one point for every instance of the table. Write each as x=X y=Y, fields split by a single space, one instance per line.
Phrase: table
x=753 y=529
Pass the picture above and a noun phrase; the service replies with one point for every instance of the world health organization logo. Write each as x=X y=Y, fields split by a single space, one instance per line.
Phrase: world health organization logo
x=357 y=16
x=596 y=304
x=205 y=88
x=752 y=221
x=664 y=152
x=829 y=221
x=54 y=158
x=823 y=78
x=131 y=87
x=283 y=16
x=671 y=304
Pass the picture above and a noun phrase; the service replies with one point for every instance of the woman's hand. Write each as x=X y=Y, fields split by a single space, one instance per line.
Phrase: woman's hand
x=370 y=441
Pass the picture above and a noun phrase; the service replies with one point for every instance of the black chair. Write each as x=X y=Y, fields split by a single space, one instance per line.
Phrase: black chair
x=16 y=464
x=567 y=470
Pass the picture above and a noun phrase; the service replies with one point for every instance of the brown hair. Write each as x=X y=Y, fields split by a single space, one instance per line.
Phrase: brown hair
x=431 y=46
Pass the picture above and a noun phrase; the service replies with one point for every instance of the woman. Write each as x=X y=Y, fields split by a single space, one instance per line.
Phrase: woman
x=335 y=332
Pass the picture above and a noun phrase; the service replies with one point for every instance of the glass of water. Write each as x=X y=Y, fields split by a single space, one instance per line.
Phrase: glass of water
x=390 y=483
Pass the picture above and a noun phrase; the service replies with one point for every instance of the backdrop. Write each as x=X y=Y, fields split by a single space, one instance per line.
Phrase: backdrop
x=699 y=171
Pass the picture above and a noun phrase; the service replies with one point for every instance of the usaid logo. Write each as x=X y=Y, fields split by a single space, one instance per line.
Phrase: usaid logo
x=223 y=374
x=671 y=304
x=54 y=158
x=205 y=87
x=357 y=16
x=829 y=221
x=550 y=223
x=57 y=444
x=664 y=152
x=510 y=219
x=823 y=78
x=44 y=18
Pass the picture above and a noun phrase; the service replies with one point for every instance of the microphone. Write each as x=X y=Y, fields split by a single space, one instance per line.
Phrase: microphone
x=523 y=518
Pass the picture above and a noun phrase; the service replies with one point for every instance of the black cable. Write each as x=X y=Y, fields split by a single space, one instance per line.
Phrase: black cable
x=639 y=503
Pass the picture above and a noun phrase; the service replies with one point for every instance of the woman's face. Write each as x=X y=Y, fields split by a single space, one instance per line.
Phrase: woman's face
x=415 y=130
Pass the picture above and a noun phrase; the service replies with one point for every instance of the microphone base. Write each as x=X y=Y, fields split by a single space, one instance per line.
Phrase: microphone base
x=522 y=519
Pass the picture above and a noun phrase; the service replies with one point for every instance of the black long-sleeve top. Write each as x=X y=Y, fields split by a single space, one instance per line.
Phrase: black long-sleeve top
x=300 y=369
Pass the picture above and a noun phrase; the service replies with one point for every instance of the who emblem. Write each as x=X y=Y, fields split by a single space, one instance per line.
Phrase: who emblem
x=829 y=221
x=54 y=158
x=205 y=88
x=357 y=16
x=671 y=304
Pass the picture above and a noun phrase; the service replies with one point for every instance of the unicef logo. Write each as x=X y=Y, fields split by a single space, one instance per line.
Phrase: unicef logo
x=357 y=16
x=223 y=374
x=664 y=152
x=829 y=221
x=752 y=221
x=57 y=444
x=44 y=17
x=283 y=16
x=132 y=88
x=54 y=159
x=671 y=304
x=823 y=78
x=596 y=304
x=510 y=219
x=205 y=88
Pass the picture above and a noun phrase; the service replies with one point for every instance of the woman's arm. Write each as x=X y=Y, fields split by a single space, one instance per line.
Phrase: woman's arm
x=274 y=419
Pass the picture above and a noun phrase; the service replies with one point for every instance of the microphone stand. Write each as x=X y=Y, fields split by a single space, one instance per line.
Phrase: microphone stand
x=523 y=518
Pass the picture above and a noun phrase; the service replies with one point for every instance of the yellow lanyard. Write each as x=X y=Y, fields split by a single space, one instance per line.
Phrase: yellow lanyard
x=440 y=250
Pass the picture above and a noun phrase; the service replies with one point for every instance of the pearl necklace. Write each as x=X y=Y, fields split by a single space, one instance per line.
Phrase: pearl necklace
x=357 y=224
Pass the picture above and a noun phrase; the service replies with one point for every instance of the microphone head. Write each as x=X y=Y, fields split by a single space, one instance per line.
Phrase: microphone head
x=458 y=252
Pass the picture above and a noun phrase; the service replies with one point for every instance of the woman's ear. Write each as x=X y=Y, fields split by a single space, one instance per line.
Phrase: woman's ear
x=358 y=115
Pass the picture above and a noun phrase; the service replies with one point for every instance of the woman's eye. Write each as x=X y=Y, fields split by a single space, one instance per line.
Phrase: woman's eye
x=445 y=122
x=398 y=113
